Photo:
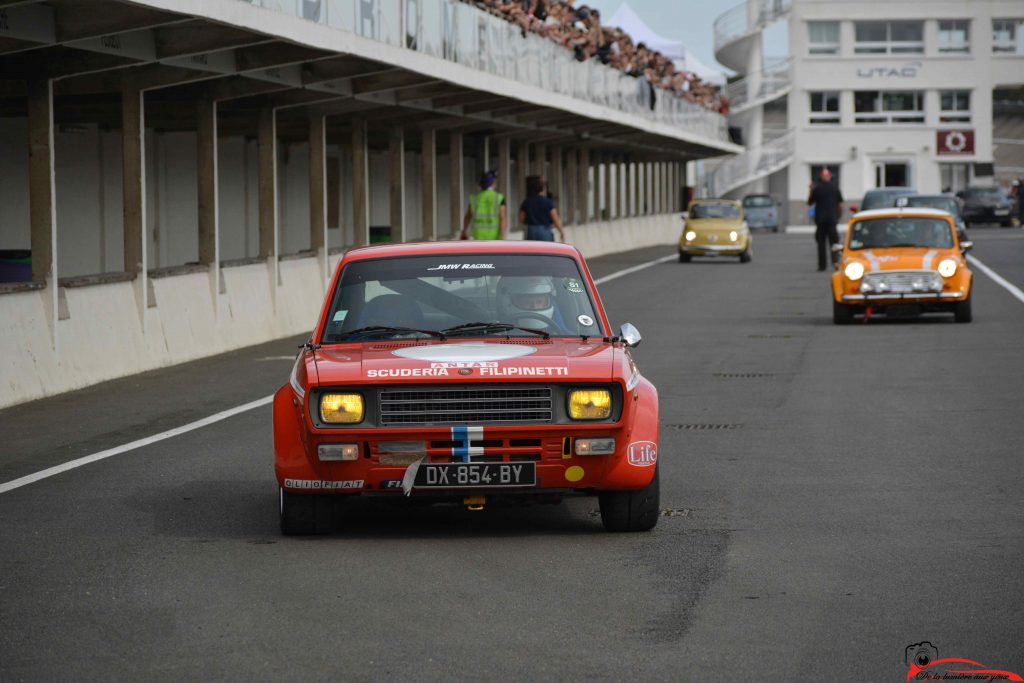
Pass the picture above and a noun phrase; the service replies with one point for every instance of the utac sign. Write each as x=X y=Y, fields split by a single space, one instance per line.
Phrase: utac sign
x=954 y=142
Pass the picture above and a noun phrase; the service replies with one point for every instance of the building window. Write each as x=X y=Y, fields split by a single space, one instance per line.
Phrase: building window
x=956 y=106
x=889 y=37
x=874 y=106
x=824 y=108
x=954 y=177
x=954 y=36
x=1008 y=36
x=823 y=37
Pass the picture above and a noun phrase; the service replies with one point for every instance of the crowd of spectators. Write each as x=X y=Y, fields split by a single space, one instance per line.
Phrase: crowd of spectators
x=579 y=29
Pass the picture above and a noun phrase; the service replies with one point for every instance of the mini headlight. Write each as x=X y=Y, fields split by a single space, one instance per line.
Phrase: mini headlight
x=732 y=235
x=690 y=235
x=854 y=270
x=341 y=408
x=590 y=404
x=947 y=268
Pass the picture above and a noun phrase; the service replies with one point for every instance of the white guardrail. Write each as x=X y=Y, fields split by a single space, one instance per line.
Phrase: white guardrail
x=752 y=164
x=744 y=19
x=775 y=80
x=459 y=32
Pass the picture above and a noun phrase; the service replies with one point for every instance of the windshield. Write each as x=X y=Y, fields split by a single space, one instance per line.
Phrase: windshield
x=983 y=193
x=758 y=202
x=941 y=203
x=901 y=232
x=412 y=297
x=881 y=199
x=714 y=211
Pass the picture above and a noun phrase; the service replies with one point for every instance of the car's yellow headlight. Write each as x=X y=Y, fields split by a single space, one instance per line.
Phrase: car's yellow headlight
x=690 y=235
x=341 y=408
x=947 y=268
x=854 y=270
x=590 y=404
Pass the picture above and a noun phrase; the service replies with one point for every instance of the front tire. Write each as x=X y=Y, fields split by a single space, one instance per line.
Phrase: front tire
x=684 y=257
x=962 y=311
x=842 y=314
x=631 y=510
x=746 y=256
x=306 y=514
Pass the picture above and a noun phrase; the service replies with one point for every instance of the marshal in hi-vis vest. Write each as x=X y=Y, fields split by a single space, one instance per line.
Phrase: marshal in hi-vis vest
x=486 y=221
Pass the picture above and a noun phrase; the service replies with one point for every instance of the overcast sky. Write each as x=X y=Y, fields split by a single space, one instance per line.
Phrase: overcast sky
x=689 y=21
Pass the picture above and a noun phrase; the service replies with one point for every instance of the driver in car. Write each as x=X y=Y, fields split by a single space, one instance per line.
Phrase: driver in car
x=529 y=302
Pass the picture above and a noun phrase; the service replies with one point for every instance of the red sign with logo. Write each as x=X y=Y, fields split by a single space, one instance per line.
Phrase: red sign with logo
x=954 y=141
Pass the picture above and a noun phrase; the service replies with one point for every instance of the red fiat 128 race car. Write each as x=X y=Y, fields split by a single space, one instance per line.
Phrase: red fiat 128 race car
x=466 y=372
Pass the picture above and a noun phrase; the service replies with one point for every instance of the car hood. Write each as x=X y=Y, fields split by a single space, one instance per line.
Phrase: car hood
x=465 y=360
x=714 y=224
x=902 y=258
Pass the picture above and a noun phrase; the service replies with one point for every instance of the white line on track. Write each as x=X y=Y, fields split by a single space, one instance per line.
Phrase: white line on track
x=628 y=271
x=223 y=415
x=996 y=277
x=117 y=450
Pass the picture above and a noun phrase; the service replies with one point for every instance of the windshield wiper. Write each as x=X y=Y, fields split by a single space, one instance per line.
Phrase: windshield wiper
x=388 y=329
x=492 y=327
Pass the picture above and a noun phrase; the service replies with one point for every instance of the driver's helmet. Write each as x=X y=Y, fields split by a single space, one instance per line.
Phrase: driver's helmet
x=518 y=296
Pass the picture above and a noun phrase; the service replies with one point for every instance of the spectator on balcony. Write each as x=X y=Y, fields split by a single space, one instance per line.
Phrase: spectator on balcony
x=538 y=212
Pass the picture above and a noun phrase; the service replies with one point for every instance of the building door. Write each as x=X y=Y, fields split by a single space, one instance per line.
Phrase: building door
x=892 y=174
x=954 y=177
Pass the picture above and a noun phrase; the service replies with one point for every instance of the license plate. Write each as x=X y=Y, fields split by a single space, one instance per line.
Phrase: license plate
x=476 y=475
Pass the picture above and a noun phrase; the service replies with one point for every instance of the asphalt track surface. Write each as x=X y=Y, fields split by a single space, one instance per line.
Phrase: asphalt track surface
x=831 y=494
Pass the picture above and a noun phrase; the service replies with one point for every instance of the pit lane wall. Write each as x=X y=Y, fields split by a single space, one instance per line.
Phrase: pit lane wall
x=102 y=334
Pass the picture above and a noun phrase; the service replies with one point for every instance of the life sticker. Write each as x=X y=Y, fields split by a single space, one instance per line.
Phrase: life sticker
x=585 y=320
x=573 y=285
x=643 y=454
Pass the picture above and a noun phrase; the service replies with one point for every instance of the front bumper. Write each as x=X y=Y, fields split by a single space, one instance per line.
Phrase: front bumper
x=712 y=250
x=898 y=298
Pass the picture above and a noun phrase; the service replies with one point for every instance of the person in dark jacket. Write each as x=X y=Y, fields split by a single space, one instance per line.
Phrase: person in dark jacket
x=538 y=212
x=827 y=201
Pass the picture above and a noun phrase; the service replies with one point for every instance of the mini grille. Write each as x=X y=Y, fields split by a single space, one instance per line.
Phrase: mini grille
x=459 y=406
x=900 y=282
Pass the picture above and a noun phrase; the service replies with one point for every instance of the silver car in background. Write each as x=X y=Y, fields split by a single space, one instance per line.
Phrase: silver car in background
x=762 y=212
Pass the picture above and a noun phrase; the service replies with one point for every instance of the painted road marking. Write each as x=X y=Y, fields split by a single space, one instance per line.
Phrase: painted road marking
x=265 y=358
x=117 y=450
x=996 y=277
x=217 y=417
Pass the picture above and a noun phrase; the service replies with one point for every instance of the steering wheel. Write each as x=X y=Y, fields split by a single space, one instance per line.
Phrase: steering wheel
x=548 y=322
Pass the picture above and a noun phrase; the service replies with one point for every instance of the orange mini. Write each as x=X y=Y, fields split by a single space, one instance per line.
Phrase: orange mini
x=902 y=261
x=466 y=372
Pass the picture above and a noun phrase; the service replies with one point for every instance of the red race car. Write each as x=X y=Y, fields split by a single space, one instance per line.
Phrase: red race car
x=466 y=372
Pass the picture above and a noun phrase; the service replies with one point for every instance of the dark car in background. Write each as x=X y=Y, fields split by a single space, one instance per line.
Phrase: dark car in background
x=882 y=198
x=943 y=202
x=987 y=205
x=762 y=212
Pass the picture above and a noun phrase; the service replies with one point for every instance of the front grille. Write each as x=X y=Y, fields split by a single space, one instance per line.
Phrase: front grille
x=901 y=282
x=463 y=405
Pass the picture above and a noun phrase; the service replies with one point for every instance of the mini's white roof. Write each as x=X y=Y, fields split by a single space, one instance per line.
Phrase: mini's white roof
x=896 y=211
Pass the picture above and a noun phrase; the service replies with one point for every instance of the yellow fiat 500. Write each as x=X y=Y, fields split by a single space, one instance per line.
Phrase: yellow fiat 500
x=715 y=227
x=902 y=262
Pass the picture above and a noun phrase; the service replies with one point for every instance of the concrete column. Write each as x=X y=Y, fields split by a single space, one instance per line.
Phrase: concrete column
x=583 y=185
x=458 y=202
x=522 y=170
x=133 y=190
x=396 y=166
x=555 y=181
x=540 y=157
x=620 y=207
x=318 y=192
x=504 y=166
x=428 y=184
x=208 y=195
x=572 y=186
x=360 y=184
x=606 y=160
x=42 y=196
x=267 y=145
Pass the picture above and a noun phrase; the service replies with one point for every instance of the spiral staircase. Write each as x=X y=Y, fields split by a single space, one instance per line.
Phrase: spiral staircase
x=739 y=46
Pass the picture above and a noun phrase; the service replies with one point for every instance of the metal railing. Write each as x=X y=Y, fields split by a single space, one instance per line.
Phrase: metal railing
x=752 y=164
x=773 y=82
x=461 y=33
x=746 y=18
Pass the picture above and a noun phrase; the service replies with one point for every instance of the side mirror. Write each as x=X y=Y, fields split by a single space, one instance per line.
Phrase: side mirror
x=629 y=335
x=684 y=215
x=966 y=246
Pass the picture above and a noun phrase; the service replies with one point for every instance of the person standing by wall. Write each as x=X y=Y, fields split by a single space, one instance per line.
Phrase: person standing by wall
x=486 y=214
x=538 y=212
x=827 y=201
